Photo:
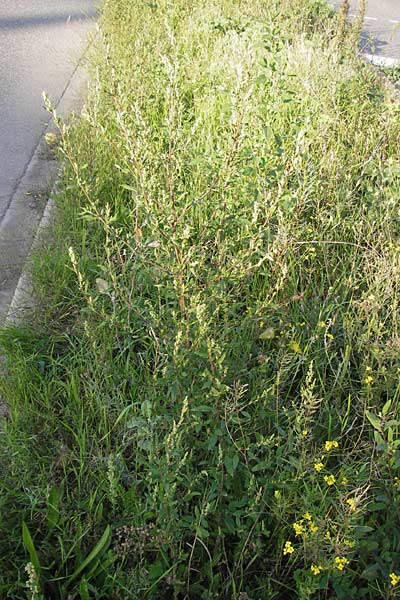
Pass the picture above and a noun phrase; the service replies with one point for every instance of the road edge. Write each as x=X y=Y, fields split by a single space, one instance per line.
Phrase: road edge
x=40 y=172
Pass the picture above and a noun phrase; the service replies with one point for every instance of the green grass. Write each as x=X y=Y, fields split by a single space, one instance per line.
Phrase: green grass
x=220 y=299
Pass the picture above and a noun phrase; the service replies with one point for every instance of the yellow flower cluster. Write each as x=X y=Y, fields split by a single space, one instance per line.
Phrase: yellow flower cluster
x=351 y=502
x=330 y=444
x=305 y=526
x=394 y=579
x=318 y=466
x=288 y=548
x=341 y=562
x=329 y=479
x=298 y=528
x=316 y=569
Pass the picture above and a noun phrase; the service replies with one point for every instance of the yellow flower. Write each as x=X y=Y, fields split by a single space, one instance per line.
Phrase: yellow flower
x=318 y=466
x=327 y=535
x=307 y=516
x=351 y=502
x=316 y=569
x=368 y=380
x=329 y=444
x=313 y=528
x=350 y=543
x=394 y=579
x=329 y=479
x=288 y=548
x=304 y=432
x=298 y=528
x=277 y=494
x=344 y=480
x=341 y=562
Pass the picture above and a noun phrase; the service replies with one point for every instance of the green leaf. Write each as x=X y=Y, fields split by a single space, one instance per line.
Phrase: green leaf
x=53 y=514
x=373 y=419
x=267 y=334
x=386 y=407
x=295 y=346
x=99 y=548
x=379 y=439
x=83 y=590
x=231 y=463
x=102 y=285
x=30 y=548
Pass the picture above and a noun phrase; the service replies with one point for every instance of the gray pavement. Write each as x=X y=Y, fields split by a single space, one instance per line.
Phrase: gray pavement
x=381 y=33
x=40 y=45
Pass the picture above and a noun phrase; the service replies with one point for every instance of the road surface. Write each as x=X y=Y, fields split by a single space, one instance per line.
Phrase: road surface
x=381 y=35
x=40 y=43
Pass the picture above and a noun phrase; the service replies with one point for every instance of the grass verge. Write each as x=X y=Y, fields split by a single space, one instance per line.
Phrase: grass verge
x=207 y=404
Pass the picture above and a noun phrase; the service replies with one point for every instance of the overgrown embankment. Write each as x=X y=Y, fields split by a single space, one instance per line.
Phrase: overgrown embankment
x=207 y=405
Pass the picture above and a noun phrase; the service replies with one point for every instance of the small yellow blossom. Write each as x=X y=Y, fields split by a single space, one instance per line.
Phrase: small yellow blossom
x=316 y=569
x=304 y=432
x=329 y=479
x=288 y=548
x=329 y=444
x=307 y=516
x=318 y=466
x=349 y=543
x=277 y=494
x=344 y=481
x=327 y=535
x=329 y=336
x=341 y=562
x=351 y=502
x=298 y=528
x=368 y=380
x=313 y=528
x=394 y=579
x=322 y=324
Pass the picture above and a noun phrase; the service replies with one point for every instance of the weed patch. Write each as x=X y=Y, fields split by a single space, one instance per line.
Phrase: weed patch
x=207 y=405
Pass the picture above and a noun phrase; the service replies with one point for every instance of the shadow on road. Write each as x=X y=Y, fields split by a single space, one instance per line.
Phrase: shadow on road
x=12 y=23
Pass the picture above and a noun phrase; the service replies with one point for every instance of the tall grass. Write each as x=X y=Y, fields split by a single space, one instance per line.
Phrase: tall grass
x=206 y=405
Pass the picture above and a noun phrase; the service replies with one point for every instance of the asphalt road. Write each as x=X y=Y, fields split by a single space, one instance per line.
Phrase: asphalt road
x=38 y=41
x=381 y=35
x=40 y=44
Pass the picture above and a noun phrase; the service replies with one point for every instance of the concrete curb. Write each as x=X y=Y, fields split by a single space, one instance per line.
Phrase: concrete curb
x=22 y=226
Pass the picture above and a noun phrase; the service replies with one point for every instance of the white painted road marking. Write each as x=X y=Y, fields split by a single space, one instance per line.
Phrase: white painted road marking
x=382 y=61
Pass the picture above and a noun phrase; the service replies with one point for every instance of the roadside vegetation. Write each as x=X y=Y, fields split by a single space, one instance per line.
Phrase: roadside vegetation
x=206 y=402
